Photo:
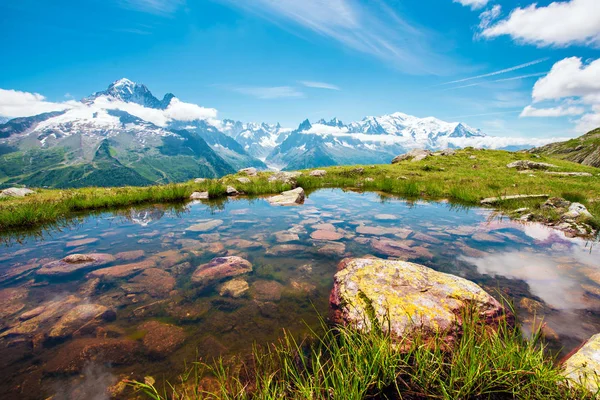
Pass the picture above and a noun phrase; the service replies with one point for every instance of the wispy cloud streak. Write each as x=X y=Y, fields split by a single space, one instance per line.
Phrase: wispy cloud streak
x=514 y=78
x=157 y=7
x=373 y=28
x=502 y=71
x=319 y=85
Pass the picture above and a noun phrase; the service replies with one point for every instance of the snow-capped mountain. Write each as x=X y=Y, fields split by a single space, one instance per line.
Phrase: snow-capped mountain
x=131 y=92
x=377 y=140
x=258 y=139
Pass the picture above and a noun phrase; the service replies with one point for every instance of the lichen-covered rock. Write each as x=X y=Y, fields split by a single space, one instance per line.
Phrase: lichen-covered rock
x=161 y=339
x=221 y=267
x=289 y=198
x=414 y=298
x=75 y=263
x=81 y=316
x=523 y=165
x=16 y=192
x=584 y=366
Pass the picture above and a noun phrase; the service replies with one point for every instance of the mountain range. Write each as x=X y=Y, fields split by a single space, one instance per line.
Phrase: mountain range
x=125 y=135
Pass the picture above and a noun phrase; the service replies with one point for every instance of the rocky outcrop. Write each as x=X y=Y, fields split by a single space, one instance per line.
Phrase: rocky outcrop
x=414 y=298
x=494 y=200
x=523 y=165
x=289 y=198
x=16 y=192
x=219 y=268
x=248 y=171
x=413 y=155
x=161 y=339
x=74 y=263
x=584 y=366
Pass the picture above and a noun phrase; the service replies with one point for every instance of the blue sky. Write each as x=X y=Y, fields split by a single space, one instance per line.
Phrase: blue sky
x=287 y=60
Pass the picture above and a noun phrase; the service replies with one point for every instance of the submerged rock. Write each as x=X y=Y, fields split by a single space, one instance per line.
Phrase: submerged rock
x=414 y=298
x=234 y=288
x=285 y=237
x=205 y=226
x=12 y=300
x=153 y=281
x=584 y=365
x=130 y=255
x=79 y=317
x=221 y=267
x=75 y=263
x=161 y=339
x=400 y=249
x=75 y=355
x=326 y=235
x=16 y=192
x=286 y=249
x=81 y=242
x=267 y=290
x=289 y=198
x=122 y=271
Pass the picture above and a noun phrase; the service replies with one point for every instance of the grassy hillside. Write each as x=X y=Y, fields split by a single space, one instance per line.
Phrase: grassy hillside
x=465 y=178
x=583 y=150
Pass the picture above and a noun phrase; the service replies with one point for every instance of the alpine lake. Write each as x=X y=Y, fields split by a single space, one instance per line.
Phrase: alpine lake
x=140 y=311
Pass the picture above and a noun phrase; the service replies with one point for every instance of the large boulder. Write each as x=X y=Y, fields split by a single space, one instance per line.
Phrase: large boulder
x=523 y=165
x=221 y=267
x=318 y=173
x=16 y=192
x=406 y=298
x=584 y=366
x=289 y=198
x=75 y=263
x=199 y=196
x=413 y=155
x=248 y=171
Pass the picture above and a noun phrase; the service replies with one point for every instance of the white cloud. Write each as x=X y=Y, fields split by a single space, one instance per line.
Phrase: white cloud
x=589 y=121
x=502 y=71
x=372 y=28
x=558 y=24
x=569 y=78
x=14 y=103
x=268 y=93
x=158 y=7
x=23 y=104
x=474 y=4
x=487 y=17
x=560 y=111
x=320 y=85
x=577 y=86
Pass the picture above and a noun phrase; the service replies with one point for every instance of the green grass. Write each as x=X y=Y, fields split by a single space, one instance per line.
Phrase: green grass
x=456 y=178
x=342 y=363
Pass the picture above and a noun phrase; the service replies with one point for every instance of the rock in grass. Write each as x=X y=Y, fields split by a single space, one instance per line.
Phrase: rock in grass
x=221 y=267
x=199 y=196
x=413 y=155
x=248 y=171
x=199 y=180
x=414 y=298
x=494 y=200
x=584 y=366
x=523 y=165
x=568 y=173
x=285 y=177
x=289 y=198
x=318 y=173
x=244 y=180
x=16 y=192
x=577 y=210
x=231 y=191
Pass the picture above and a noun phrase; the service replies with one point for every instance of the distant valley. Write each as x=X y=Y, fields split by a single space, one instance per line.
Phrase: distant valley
x=125 y=135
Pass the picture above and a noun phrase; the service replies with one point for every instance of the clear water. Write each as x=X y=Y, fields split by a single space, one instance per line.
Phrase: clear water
x=524 y=262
